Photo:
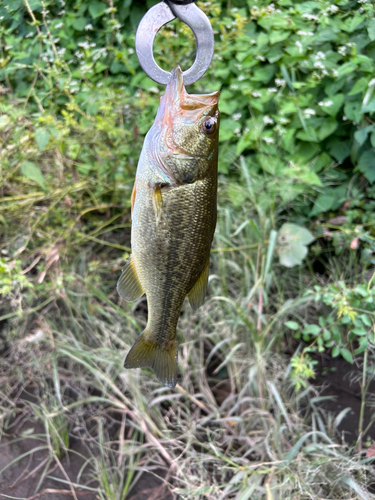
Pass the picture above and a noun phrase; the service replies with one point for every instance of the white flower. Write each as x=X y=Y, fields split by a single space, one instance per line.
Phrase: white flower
x=309 y=112
x=332 y=9
x=58 y=25
x=84 y=45
x=299 y=45
x=310 y=16
x=325 y=104
x=155 y=90
x=217 y=56
x=283 y=121
x=342 y=50
x=261 y=58
x=256 y=94
x=238 y=66
x=233 y=86
x=271 y=90
x=88 y=27
x=344 y=118
x=236 y=116
x=335 y=73
x=253 y=42
x=61 y=51
x=268 y=140
x=131 y=50
x=361 y=1
x=56 y=40
x=305 y=33
x=320 y=55
x=267 y=120
x=319 y=64
x=241 y=78
x=280 y=82
x=237 y=131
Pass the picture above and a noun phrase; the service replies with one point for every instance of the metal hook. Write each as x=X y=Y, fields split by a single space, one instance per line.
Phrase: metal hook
x=162 y=14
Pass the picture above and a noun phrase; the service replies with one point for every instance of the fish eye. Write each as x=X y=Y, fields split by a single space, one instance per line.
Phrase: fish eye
x=209 y=125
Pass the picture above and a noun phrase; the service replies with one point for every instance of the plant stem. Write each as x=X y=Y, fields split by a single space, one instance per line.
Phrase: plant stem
x=363 y=401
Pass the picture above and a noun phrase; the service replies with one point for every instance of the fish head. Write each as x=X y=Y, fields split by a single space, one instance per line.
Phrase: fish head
x=186 y=125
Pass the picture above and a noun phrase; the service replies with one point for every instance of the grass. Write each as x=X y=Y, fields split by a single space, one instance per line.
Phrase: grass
x=234 y=427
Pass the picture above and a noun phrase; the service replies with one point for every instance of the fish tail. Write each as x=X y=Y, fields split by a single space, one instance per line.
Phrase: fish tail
x=146 y=353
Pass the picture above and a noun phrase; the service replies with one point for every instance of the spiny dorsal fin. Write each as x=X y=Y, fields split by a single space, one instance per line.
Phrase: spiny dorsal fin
x=146 y=353
x=198 y=292
x=128 y=286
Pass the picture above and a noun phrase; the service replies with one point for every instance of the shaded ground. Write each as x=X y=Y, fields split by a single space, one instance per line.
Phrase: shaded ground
x=342 y=381
x=21 y=479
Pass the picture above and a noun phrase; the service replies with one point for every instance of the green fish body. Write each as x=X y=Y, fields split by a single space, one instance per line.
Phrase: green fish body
x=173 y=222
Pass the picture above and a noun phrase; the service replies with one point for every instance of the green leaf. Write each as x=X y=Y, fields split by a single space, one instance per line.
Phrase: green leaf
x=323 y=203
x=336 y=103
x=346 y=68
x=292 y=325
x=42 y=138
x=4 y=120
x=33 y=172
x=96 y=8
x=359 y=86
x=292 y=241
x=366 y=164
x=335 y=352
x=313 y=329
x=328 y=127
x=347 y=355
x=363 y=342
x=371 y=29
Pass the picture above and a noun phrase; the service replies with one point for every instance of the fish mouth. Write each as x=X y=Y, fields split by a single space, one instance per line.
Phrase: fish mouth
x=176 y=101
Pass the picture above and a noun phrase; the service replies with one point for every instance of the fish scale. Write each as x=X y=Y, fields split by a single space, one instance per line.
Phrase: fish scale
x=173 y=222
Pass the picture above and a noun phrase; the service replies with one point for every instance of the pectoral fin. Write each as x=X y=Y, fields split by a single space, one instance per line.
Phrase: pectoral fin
x=157 y=200
x=198 y=292
x=128 y=286
x=134 y=193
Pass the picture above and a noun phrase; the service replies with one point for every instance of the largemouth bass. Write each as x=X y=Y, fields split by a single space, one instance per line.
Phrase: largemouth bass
x=173 y=222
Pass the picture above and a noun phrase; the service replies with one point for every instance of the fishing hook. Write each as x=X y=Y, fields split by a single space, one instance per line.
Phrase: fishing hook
x=163 y=13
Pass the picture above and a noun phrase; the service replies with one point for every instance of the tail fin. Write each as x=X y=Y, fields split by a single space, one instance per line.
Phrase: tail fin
x=146 y=353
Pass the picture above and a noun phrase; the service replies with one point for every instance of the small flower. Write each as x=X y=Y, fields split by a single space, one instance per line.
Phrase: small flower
x=332 y=9
x=237 y=131
x=309 y=112
x=233 y=86
x=283 y=121
x=131 y=50
x=320 y=55
x=260 y=58
x=236 y=116
x=310 y=17
x=305 y=33
x=155 y=90
x=268 y=140
x=58 y=25
x=319 y=65
x=256 y=94
x=84 y=45
x=325 y=104
x=344 y=118
x=88 y=27
x=267 y=120
x=299 y=45
x=241 y=78
x=342 y=50
x=280 y=82
x=271 y=90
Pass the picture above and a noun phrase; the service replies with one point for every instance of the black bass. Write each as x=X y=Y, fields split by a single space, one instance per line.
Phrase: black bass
x=173 y=222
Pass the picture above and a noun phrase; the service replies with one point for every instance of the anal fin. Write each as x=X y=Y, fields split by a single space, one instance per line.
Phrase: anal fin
x=128 y=285
x=198 y=292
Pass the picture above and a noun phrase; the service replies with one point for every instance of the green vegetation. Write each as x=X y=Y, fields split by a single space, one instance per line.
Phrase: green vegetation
x=293 y=262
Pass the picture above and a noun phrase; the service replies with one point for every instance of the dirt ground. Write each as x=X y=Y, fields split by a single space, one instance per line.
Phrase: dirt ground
x=20 y=480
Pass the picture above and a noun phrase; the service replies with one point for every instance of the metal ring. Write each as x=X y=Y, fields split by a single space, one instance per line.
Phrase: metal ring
x=150 y=24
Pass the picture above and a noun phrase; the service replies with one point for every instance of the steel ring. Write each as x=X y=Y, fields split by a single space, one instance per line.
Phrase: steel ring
x=150 y=24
